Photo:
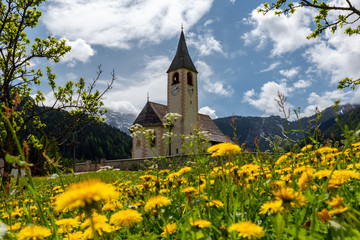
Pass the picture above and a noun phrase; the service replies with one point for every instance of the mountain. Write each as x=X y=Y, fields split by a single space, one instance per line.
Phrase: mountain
x=94 y=141
x=119 y=120
x=247 y=129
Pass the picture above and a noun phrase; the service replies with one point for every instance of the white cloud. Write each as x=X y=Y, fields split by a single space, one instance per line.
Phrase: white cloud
x=302 y=84
x=206 y=75
x=129 y=94
x=337 y=55
x=271 y=67
x=288 y=33
x=211 y=21
x=121 y=106
x=265 y=100
x=80 y=51
x=326 y=100
x=232 y=1
x=208 y=111
x=205 y=44
x=290 y=73
x=116 y=23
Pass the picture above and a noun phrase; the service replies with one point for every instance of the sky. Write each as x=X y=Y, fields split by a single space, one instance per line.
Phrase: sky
x=243 y=58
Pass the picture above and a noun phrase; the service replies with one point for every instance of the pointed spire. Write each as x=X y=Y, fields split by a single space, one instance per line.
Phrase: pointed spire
x=182 y=58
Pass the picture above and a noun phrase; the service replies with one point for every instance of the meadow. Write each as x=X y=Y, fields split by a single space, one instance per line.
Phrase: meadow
x=308 y=193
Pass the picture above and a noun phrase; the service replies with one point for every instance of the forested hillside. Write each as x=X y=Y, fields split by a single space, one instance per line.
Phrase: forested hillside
x=247 y=129
x=99 y=141
x=94 y=140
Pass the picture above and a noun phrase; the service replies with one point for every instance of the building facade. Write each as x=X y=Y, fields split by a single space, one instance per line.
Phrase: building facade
x=182 y=98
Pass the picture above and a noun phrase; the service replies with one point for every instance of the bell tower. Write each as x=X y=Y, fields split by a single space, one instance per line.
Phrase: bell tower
x=182 y=90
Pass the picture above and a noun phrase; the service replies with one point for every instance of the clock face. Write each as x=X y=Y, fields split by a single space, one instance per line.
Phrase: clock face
x=191 y=90
x=175 y=89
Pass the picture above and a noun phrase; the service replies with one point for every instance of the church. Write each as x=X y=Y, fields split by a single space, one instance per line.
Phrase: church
x=182 y=98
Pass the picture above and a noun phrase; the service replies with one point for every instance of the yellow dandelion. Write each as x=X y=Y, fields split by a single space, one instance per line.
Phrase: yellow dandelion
x=14 y=227
x=67 y=224
x=188 y=190
x=224 y=149
x=85 y=193
x=247 y=230
x=164 y=171
x=306 y=148
x=277 y=183
x=100 y=225
x=336 y=202
x=126 y=218
x=282 y=158
x=173 y=176
x=169 y=229
x=324 y=215
x=274 y=207
x=337 y=211
x=216 y=203
x=33 y=233
x=164 y=190
x=156 y=203
x=148 y=177
x=288 y=195
x=250 y=168
x=200 y=223
x=305 y=178
x=112 y=205
x=184 y=170
x=74 y=236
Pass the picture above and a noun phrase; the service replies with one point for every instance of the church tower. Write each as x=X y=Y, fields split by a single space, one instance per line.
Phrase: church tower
x=182 y=92
x=182 y=98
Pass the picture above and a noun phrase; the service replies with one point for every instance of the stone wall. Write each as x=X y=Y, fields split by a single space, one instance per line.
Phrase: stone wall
x=132 y=164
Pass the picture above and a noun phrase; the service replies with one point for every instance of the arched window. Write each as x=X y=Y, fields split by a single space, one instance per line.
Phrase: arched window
x=176 y=79
x=189 y=79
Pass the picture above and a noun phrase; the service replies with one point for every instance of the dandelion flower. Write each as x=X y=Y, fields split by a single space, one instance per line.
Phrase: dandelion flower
x=216 y=203
x=169 y=229
x=112 y=205
x=67 y=224
x=156 y=203
x=74 y=236
x=273 y=206
x=200 y=223
x=188 y=190
x=33 y=233
x=336 y=202
x=305 y=178
x=247 y=230
x=100 y=225
x=306 y=148
x=184 y=170
x=224 y=149
x=324 y=215
x=288 y=195
x=14 y=227
x=85 y=193
x=126 y=218
x=148 y=177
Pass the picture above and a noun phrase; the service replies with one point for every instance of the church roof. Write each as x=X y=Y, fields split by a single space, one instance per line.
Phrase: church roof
x=215 y=134
x=182 y=58
x=151 y=115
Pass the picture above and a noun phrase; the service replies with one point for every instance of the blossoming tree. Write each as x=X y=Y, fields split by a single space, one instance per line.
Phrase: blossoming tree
x=20 y=105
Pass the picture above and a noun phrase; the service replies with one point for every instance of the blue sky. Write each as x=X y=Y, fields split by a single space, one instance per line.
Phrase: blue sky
x=243 y=57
